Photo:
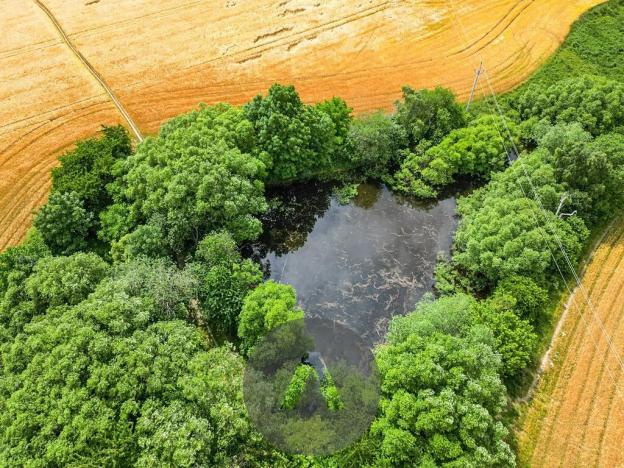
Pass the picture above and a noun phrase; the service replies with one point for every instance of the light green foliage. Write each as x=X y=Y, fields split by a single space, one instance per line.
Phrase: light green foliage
x=224 y=280
x=64 y=223
x=346 y=193
x=504 y=233
x=597 y=104
x=302 y=377
x=514 y=338
x=441 y=392
x=197 y=176
x=146 y=240
x=57 y=281
x=477 y=150
x=375 y=142
x=269 y=305
x=300 y=140
x=108 y=381
x=330 y=392
x=428 y=115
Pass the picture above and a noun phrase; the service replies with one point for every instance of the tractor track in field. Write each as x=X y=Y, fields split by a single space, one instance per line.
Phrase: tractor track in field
x=65 y=38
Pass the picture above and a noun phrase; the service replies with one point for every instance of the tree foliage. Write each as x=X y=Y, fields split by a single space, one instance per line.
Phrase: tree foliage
x=441 y=392
x=199 y=175
x=64 y=223
x=375 y=142
x=266 y=307
x=477 y=150
x=300 y=140
x=595 y=103
x=428 y=115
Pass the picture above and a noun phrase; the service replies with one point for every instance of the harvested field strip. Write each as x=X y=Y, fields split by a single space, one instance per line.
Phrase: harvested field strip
x=577 y=414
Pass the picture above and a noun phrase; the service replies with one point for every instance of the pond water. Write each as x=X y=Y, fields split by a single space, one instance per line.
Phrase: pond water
x=361 y=263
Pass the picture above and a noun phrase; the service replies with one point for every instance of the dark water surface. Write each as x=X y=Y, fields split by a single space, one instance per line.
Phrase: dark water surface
x=361 y=263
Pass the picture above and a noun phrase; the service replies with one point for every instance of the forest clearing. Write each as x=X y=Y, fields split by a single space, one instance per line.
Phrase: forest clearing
x=163 y=58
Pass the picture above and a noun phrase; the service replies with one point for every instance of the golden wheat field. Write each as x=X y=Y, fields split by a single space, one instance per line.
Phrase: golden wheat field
x=577 y=415
x=161 y=58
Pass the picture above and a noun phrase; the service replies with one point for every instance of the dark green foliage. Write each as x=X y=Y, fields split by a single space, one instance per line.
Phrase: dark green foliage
x=64 y=223
x=375 y=142
x=195 y=177
x=266 y=307
x=595 y=103
x=530 y=299
x=224 y=280
x=514 y=338
x=427 y=116
x=441 y=392
x=477 y=150
x=301 y=140
x=88 y=169
x=591 y=172
x=16 y=265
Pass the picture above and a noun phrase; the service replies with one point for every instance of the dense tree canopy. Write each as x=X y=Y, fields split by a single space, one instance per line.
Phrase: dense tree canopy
x=301 y=140
x=597 y=104
x=64 y=223
x=428 y=115
x=197 y=176
x=442 y=395
x=120 y=377
x=477 y=150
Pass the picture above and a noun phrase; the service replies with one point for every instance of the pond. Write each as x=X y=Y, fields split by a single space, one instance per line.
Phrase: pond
x=361 y=263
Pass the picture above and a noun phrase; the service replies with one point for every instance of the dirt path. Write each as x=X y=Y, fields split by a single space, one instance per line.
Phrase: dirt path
x=576 y=417
x=133 y=126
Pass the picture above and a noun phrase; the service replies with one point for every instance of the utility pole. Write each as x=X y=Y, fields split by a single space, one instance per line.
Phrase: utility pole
x=474 y=85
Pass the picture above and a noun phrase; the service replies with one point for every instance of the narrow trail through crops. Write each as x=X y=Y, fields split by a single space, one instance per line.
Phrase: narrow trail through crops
x=577 y=415
x=133 y=126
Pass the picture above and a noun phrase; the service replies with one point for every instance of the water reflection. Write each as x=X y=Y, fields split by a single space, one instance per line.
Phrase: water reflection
x=359 y=264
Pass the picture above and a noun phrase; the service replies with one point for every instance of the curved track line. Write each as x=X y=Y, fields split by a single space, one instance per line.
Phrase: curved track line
x=93 y=71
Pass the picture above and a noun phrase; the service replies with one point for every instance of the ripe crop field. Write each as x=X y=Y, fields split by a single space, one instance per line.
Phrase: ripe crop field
x=577 y=415
x=163 y=58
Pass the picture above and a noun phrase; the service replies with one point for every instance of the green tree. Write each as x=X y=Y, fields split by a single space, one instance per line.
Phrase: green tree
x=88 y=169
x=428 y=115
x=442 y=397
x=117 y=380
x=224 y=280
x=530 y=298
x=477 y=150
x=64 y=223
x=58 y=281
x=299 y=139
x=375 y=142
x=595 y=103
x=514 y=338
x=198 y=175
x=266 y=307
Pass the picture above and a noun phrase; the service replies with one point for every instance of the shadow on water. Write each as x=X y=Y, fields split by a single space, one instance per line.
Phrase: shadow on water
x=360 y=263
